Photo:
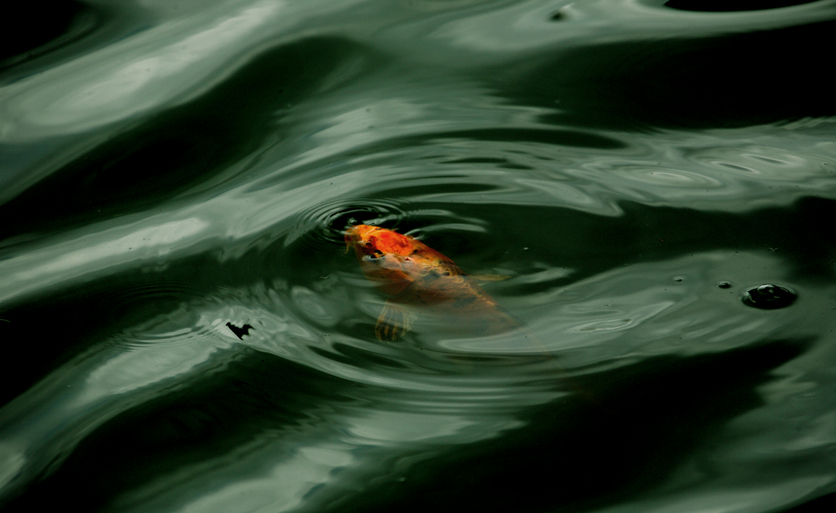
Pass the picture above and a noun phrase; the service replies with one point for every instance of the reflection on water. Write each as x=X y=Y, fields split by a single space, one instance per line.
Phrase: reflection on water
x=175 y=172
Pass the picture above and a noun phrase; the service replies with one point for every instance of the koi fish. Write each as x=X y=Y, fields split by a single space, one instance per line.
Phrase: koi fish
x=415 y=277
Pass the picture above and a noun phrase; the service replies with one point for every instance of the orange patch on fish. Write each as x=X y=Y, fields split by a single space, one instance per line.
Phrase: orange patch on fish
x=416 y=278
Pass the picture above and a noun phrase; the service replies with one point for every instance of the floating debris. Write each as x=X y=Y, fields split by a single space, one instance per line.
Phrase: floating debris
x=769 y=297
x=239 y=332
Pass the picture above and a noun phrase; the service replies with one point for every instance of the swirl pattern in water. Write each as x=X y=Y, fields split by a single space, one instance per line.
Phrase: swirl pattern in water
x=640 y=187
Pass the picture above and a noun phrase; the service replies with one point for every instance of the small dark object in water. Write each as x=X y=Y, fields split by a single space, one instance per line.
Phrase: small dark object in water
x=769 y=297
x=724 y=285
x=239 y=332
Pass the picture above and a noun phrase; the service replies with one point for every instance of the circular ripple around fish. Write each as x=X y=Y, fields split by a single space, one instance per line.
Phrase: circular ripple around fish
x=326 y=222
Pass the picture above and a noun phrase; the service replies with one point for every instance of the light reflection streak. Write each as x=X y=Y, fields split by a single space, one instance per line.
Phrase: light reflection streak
x=94 y=255
x=131 y=76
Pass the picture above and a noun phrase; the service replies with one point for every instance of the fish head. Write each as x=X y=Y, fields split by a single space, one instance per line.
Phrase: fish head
x=384 y=256
x=375 y=242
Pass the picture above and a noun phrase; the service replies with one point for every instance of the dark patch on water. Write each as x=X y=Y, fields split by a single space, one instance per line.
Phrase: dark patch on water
x=732 y=80
x=46 y=33
x=732 y=5
x=823 y=504
x=256 y=399
x=27 y=28
x=581 y=454
x=646 y=233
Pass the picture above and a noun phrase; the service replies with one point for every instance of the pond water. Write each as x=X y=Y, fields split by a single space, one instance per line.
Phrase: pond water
x=184 y=331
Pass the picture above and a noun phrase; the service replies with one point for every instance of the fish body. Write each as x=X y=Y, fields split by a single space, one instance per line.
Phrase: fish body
x=416 y=278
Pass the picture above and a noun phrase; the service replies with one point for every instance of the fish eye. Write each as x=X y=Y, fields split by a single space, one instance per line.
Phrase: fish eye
x=374 y=256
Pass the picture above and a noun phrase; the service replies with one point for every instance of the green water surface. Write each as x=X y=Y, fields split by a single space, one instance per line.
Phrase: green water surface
x=171 y=173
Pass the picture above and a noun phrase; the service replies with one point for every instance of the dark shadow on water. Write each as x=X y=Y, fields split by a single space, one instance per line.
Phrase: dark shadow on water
x=824 y=504
x=246 y=403
x=42 y=26
x=630 y=428
x=574 y=240
x=795 y=233
x=581 y=454
x=732 y=5
x=733 y=80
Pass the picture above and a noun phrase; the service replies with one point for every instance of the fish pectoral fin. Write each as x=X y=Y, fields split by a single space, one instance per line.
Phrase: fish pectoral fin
x=394 y=322
x=483 y=278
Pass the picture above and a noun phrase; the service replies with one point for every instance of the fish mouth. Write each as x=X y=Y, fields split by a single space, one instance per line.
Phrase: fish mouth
x=357 y=234
x=361 y=237
x=349 y=240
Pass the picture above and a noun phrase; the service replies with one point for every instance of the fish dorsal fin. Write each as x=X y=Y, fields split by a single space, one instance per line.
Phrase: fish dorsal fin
x=394 y=322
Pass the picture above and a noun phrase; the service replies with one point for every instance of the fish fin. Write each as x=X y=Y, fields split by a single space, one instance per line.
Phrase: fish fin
x=394 y=322
x=488 y=277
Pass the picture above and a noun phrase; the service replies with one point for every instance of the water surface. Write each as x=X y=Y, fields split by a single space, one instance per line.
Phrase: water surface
x=170 y=171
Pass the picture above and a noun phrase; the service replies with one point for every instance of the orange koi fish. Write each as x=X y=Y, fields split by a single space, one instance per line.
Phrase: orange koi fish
x=415 y=278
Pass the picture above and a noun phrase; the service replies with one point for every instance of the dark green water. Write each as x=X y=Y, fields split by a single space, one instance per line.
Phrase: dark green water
x=169 y=170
